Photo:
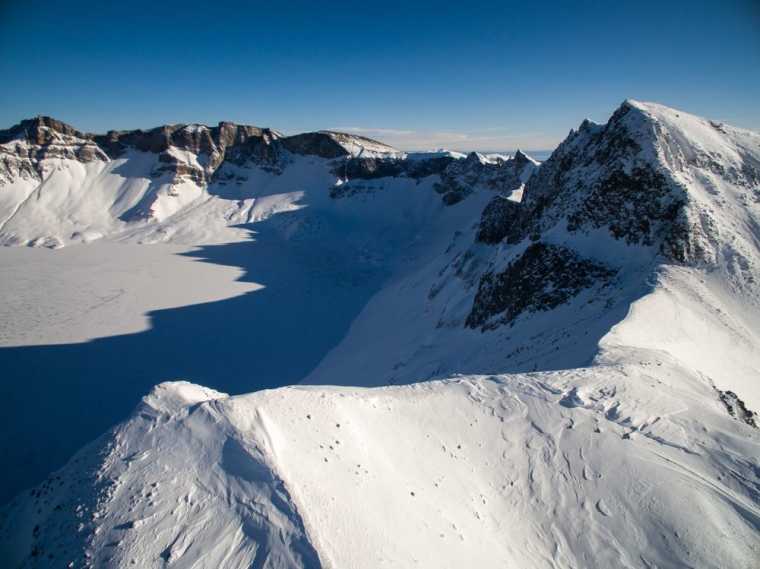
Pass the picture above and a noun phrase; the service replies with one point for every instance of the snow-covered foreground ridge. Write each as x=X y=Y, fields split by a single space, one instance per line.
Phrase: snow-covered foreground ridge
x=612 y=466
x=627 y=277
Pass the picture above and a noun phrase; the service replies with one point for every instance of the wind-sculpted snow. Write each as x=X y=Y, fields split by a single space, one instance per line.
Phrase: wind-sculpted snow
x=614 y=466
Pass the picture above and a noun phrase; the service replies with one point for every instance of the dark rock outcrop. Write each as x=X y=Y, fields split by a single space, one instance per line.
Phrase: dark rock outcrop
x=25 y=145
x=45 y=137
x=40 y=130
x=737 y=409
x=605 y=176
x=542 y=278
x=314 y=143
x=330 y=144
x=370 y=168
x=461 y=176
x=227 y=141
x=497 y=219
x=458 y=177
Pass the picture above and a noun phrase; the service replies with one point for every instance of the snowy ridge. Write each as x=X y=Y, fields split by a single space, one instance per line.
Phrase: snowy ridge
x=189 y=184
x=607 y=466
x=625 y=278
x=648 y=244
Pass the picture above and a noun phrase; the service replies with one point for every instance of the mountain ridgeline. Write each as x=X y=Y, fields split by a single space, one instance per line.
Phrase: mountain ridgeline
x=557 y=365
x=216 y=160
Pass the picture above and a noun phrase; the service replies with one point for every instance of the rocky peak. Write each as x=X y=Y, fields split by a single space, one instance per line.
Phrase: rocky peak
x=461 y=177
x=331 y=144
x=603 y=176
x=40 y=130
x=24 y=146
x=521 y=160
x=651 y=176
x=679 y=188
x=474 y=159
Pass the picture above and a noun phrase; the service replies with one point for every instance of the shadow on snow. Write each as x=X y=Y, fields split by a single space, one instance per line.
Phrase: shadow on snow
x=56 y=398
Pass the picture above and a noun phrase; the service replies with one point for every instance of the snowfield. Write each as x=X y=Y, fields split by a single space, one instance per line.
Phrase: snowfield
x=612 y=466
x=82 y=293
x=511 y=365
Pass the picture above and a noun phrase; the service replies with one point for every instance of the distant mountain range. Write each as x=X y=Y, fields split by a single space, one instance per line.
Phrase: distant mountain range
x=60 y=185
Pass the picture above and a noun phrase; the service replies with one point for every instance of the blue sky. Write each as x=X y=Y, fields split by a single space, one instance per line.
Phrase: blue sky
x=475 y=75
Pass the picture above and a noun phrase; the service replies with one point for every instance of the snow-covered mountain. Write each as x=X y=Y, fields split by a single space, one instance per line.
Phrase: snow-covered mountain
x=193 y=184
x=590 y=327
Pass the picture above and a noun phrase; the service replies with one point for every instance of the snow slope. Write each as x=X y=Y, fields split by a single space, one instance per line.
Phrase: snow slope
x=625 y=279
x=612 y=466
x=310 y=244
x=193 y=184
x=711 y=291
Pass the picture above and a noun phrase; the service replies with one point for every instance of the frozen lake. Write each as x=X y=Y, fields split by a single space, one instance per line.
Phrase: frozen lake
x=87 y=330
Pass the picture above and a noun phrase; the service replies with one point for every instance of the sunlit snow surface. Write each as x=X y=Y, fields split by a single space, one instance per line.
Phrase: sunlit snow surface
x=81 y=293
x=617 y=452
x=615 y=466
x=279 y=278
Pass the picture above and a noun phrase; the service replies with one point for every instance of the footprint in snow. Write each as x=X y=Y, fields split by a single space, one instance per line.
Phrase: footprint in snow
x=602 y=508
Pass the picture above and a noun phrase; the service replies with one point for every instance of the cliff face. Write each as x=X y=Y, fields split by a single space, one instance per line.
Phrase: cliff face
x=25 y=146
x=651 y=178
x=58 y=184
x=193 y=152
x=633 y=178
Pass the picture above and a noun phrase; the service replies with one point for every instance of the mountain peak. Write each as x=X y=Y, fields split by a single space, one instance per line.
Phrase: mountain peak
x=334 y=144
x=41 y=129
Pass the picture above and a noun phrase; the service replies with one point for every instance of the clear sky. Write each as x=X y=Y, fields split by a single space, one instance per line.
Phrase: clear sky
x=468 y=75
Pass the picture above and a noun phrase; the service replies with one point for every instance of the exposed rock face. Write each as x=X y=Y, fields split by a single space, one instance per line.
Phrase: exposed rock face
x=458 y=178
x=195 y=138
x=40 y=130
x=497 y=220
x=737 y=409
x=25 y=145
x=651 y=177
x=368 y=168
x=330 y=145
x=211 y=146
x=604 y=176
x=186 y=152
x=644 y=197
x=315 y=143
x=629 y=177
x=522 y=160
x=461 y=176
x=600 y=177
x=540 y=279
